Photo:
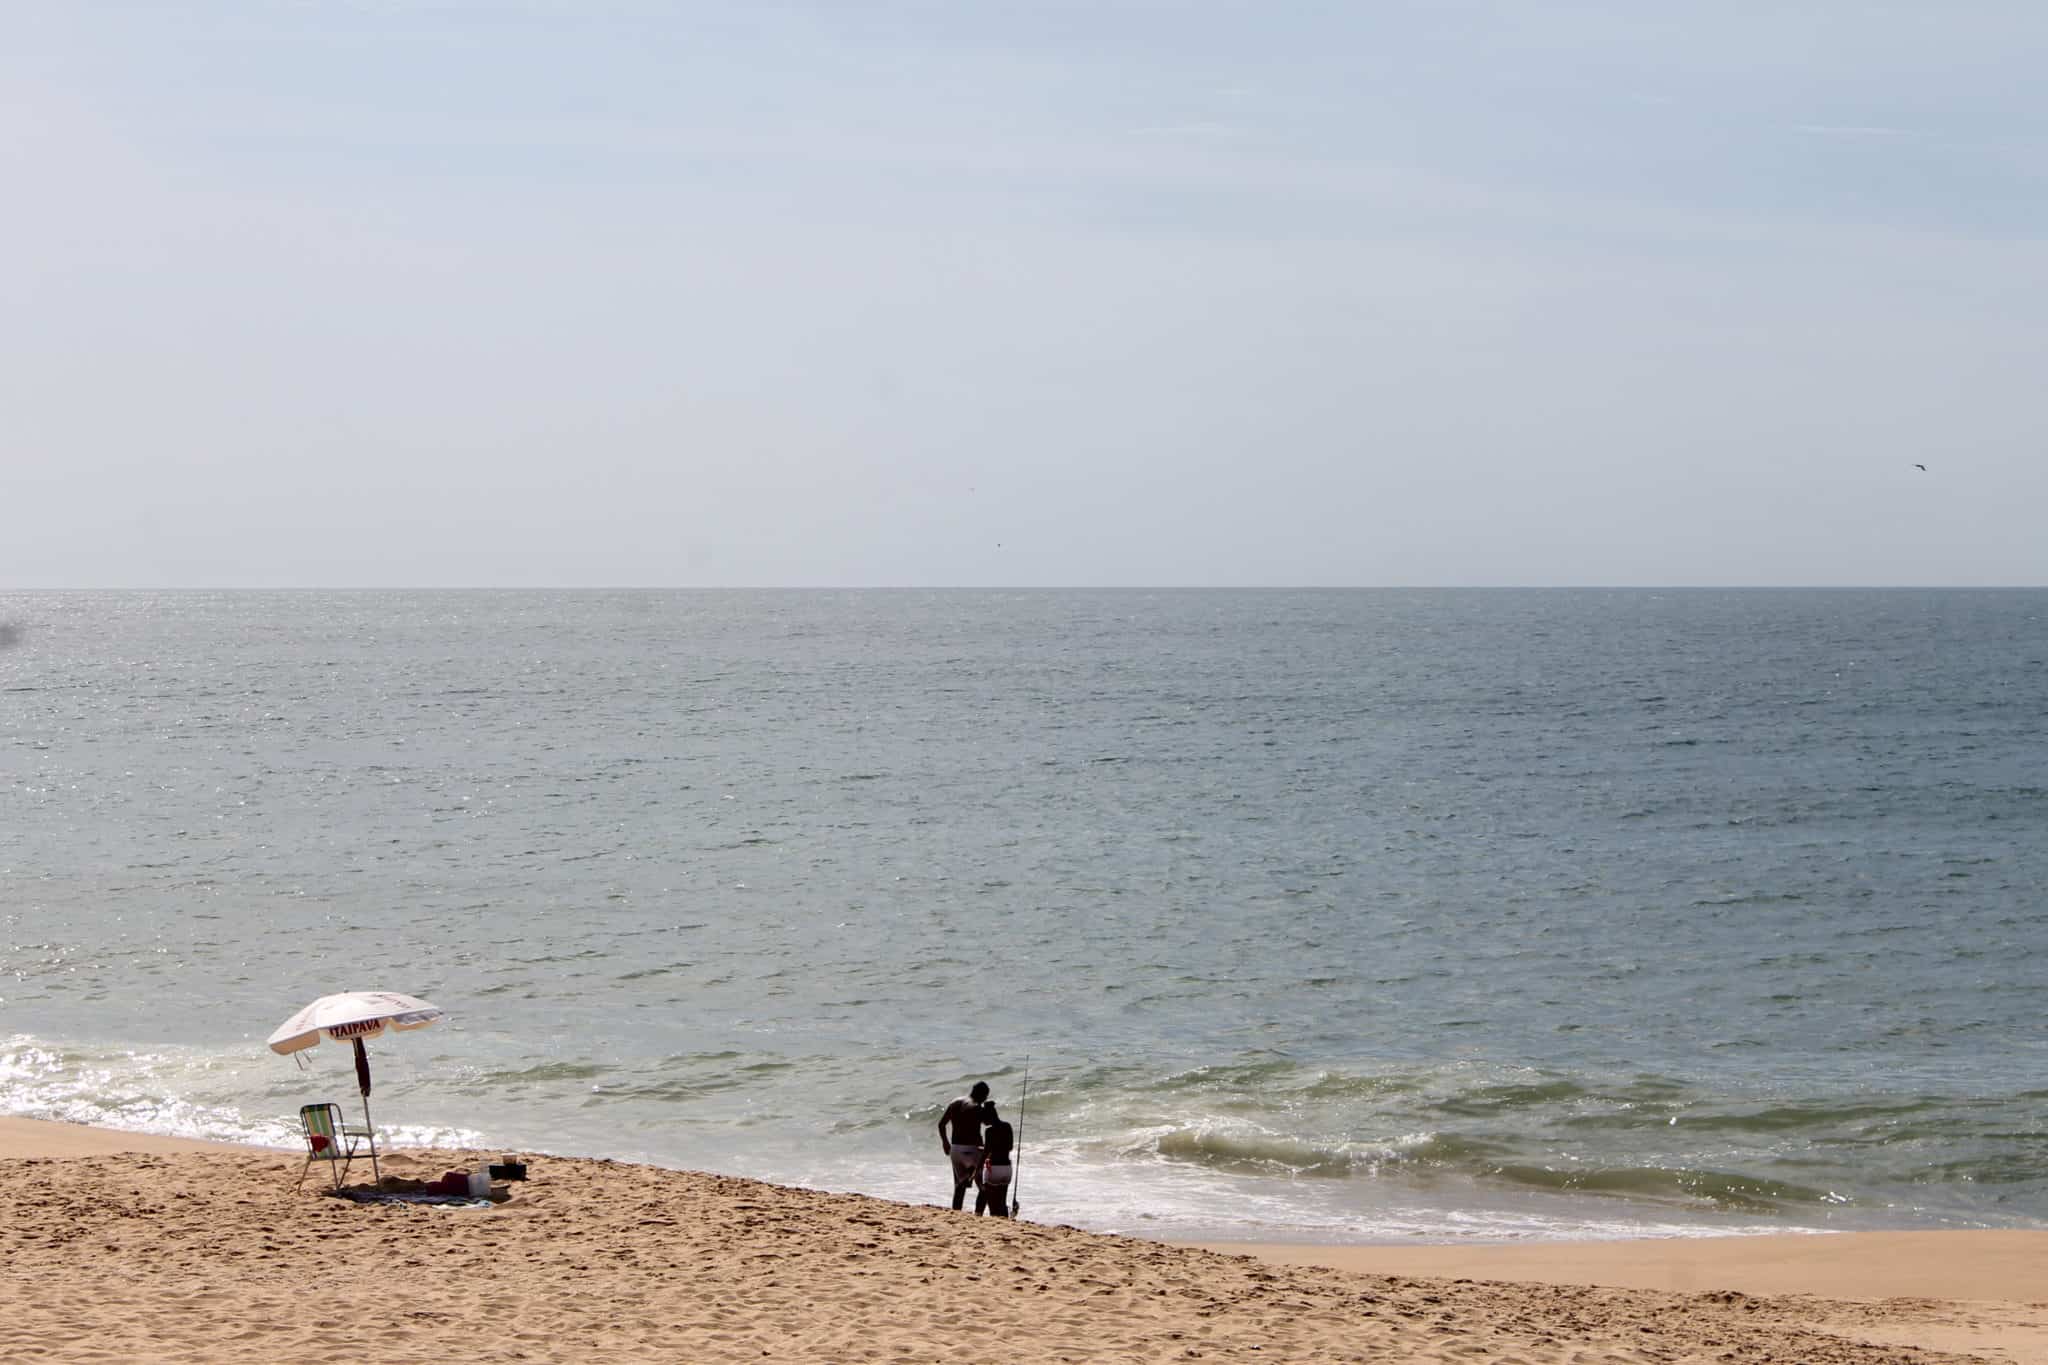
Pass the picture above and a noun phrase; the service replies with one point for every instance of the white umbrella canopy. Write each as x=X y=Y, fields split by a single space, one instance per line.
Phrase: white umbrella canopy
x=351 y=1015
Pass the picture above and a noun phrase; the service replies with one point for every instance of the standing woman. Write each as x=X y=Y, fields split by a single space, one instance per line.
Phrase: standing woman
x=996 y=1171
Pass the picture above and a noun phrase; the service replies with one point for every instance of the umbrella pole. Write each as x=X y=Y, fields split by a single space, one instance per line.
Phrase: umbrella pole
x=363 y=1080
x=375 y=1174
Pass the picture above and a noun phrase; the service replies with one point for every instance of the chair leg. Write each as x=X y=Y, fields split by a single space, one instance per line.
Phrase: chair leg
x=302 y=1171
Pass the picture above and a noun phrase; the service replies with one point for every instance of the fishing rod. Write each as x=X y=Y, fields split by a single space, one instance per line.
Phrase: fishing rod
x=1017 y=1158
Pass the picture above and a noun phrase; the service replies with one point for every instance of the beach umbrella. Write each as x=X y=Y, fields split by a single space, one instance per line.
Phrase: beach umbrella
x=351 y=1017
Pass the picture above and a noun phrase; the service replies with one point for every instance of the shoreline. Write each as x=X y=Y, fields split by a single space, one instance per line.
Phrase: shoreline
x=46 y=1139
x=594 y=1258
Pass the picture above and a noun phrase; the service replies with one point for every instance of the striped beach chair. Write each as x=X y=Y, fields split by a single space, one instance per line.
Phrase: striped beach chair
x=330 y=1139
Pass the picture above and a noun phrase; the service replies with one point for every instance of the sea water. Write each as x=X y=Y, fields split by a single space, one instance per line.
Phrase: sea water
x=1317 y=914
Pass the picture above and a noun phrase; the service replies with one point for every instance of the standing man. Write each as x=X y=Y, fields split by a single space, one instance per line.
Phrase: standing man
x=963 y=1141
x=997 y=1140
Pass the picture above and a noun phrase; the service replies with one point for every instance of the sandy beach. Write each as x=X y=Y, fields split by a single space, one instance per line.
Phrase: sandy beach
x=130 y=1248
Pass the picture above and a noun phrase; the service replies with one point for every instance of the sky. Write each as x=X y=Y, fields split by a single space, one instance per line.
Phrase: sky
x=363 y=293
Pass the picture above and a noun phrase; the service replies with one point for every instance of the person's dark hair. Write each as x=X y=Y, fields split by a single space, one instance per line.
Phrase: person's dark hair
x=980 y=1091
x=988 y=1109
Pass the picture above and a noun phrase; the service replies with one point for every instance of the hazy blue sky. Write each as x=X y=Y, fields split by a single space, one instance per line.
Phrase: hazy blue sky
x=367 y=292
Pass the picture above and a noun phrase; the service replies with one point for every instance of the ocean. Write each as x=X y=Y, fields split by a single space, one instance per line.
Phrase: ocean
x=1314 y=915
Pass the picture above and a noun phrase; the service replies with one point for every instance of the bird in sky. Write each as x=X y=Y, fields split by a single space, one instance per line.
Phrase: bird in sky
x=1921 y=467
